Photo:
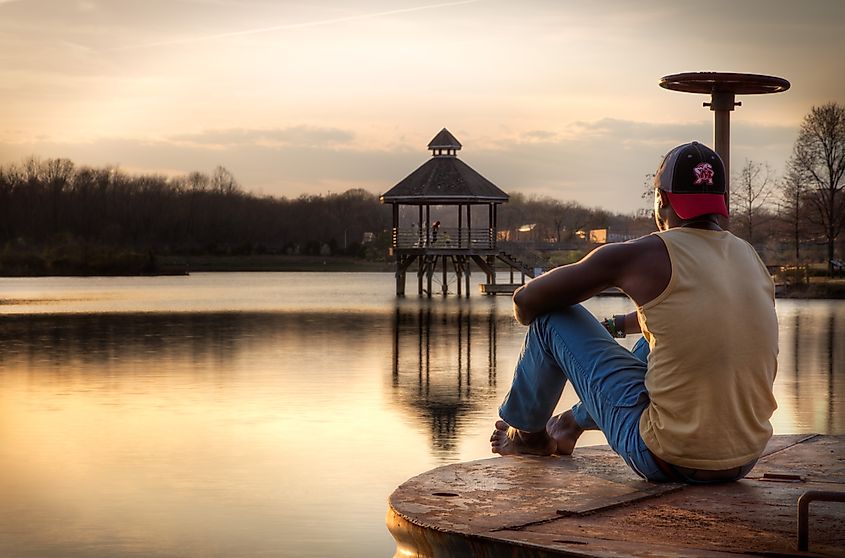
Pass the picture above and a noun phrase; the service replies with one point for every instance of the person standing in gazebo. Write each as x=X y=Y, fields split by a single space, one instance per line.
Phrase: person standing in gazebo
x=435 y=228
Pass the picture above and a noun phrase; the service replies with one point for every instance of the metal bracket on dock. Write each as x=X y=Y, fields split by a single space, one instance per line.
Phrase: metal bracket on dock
x=804 y=511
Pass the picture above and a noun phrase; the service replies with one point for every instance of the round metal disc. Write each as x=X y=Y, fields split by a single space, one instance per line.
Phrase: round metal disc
x=709 y=82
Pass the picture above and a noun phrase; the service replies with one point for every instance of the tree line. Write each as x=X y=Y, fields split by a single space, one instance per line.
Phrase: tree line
x=798 y=217
x=56 y=216
x=52 y=210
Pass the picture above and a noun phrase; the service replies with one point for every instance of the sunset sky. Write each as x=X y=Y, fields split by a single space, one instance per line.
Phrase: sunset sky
x=550 y=97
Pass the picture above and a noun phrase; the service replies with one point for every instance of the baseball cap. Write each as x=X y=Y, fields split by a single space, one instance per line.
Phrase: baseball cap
x=694 y=177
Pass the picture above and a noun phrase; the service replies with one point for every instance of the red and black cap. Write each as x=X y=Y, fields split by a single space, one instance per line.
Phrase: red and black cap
x=694 y=177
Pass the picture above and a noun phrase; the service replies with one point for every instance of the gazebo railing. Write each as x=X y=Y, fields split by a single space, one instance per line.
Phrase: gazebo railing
x=445 y=238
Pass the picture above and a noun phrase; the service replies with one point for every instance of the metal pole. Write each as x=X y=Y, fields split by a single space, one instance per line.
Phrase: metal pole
x=722 y=103
x=804 y=512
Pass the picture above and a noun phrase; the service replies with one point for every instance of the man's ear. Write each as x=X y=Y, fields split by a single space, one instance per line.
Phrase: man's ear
x=664 y=197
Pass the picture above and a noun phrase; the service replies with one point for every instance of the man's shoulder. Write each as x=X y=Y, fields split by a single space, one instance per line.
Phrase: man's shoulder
x=648 y=242
x=630 y=251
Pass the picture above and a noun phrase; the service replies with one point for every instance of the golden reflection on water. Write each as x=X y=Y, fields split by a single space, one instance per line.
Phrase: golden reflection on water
x=810 y=387
x=254 y=433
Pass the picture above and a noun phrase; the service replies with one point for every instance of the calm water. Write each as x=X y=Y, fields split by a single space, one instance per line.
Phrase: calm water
x=272 y=414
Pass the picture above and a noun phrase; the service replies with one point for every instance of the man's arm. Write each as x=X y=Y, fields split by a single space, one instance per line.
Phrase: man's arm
x=570 y=284
x=641 y=268
x=632 y=323
x=620 y=325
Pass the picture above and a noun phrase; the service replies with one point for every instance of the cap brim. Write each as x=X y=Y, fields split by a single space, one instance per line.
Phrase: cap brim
x=688 y=206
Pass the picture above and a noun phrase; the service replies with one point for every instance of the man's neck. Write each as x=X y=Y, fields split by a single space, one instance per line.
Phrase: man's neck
x=666 y=218
x=704 y=223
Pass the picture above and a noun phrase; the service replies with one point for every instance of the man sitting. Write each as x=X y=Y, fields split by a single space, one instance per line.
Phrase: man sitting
x=692 y=401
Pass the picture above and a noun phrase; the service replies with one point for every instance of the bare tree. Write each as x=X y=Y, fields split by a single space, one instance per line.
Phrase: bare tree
x=793 y=204
x=223 y=182
x=818 y=157
x=750 y=192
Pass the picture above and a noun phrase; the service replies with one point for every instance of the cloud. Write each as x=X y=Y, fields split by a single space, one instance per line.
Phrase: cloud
x=300 y=136
x=293 y=26
x=600 y=163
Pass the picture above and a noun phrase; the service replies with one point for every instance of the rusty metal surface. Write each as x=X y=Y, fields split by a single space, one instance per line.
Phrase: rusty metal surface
x=514 y=491
x=820 y=459
x=592 y=505
x=708 y=82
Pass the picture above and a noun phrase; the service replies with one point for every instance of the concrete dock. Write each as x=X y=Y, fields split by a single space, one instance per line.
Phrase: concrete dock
x=592 y=505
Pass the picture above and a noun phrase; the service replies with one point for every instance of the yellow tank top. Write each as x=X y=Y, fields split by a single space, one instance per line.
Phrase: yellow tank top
x=713 y=336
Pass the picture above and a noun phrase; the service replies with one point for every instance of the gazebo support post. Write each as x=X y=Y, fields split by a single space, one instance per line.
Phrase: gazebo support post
x=495 y=224
x=444 y=288
x=428 y=226
x=431 y=263
x=400 y=270
x=490 y=224
x=400 y=278
x=460 y=223
x=469 y=226
x=468 y=264
x=456 y=263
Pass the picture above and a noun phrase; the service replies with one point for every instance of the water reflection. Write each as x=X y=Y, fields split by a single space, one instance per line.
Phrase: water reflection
x=444 y=367
x=243 y=433
x=810 y=386
x=831 y=359
x=225 y=434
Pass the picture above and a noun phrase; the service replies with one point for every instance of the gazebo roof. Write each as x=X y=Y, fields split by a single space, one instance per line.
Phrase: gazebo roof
x=444 y=140
x=444 y=180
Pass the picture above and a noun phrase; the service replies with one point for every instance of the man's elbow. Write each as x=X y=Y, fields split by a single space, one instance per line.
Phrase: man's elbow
x=521 y=309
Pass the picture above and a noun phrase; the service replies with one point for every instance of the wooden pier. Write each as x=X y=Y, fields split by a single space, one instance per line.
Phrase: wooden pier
x=592 y=505
x=500 y=288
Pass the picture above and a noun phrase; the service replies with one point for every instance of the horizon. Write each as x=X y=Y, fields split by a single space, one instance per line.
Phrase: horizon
x=310 y=99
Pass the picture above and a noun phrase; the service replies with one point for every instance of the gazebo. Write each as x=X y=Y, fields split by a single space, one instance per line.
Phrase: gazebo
x=445 y=188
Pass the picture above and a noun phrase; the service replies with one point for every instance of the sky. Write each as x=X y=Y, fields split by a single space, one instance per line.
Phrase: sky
x=554 y=98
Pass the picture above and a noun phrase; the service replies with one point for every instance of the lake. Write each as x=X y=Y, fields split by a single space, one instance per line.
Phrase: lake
x=272 y=414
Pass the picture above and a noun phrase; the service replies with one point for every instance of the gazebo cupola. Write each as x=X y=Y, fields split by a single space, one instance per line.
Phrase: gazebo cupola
x=438 y=233
x=444 y=144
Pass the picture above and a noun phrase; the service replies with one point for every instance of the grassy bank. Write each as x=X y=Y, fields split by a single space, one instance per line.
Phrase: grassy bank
x=817 y=287
x=183 y=264
x=73 y=259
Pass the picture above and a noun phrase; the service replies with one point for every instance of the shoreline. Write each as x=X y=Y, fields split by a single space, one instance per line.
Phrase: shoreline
x=824 y=290
x=185 y=265
x=818 y=288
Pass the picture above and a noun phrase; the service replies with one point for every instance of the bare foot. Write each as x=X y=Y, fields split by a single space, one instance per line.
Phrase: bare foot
x=507 y=440
x=564 y=431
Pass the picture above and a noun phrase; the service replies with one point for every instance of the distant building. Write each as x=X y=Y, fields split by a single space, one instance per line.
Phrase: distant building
x=605 y=236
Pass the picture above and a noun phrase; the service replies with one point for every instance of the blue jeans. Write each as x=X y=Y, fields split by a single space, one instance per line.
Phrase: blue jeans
x=609 y=379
